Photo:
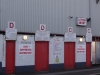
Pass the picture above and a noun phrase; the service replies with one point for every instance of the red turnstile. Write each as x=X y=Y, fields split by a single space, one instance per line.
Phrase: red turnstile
x=69 y=55
x=10 y=57
x=41 y=56
x=88 y=54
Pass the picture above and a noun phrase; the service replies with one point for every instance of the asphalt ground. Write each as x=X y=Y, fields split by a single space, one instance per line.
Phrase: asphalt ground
x=76 y=72
x=85 y=71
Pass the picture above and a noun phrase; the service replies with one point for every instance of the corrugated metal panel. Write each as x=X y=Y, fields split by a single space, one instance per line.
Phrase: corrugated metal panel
x=0 y=13
x=79 y=8
x=95 y=15
x=29 y=14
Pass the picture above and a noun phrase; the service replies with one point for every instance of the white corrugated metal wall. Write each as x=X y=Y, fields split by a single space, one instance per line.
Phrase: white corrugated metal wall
x=0 y=13
x=29 y=14
x=95 y=16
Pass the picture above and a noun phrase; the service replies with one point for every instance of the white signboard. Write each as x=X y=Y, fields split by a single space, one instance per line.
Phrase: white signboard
x=82 y=21
x=11 y=24
x=80 y=48
x=88 y=37
x=11 y=34
x=70 y=29
x=56 y=50
x=80 y=52
x=42 y=36
x=70 y=37
x=42 y=27
x=57 y=43
x=25 y=49
x=88 y=30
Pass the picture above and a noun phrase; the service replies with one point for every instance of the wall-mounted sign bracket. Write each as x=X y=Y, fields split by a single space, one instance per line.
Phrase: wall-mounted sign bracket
x=97 y=1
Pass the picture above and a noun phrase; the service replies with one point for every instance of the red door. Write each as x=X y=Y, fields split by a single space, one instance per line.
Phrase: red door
x=69 y=55
x=66 y=55
x=10 y=57
x=41 y=56
x=88 y=54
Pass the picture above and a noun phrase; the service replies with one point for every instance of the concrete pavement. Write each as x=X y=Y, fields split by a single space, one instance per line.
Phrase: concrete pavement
x=76 y=72
x=90 y=71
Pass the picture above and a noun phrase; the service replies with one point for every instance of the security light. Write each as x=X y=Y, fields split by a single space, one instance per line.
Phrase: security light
x=80 y=39
x=25 y=37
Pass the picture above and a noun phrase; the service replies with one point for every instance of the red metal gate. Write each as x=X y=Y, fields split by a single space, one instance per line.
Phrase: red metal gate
x=41 y=56
x=69 y=55
x=88 y=54
x=10 y=57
